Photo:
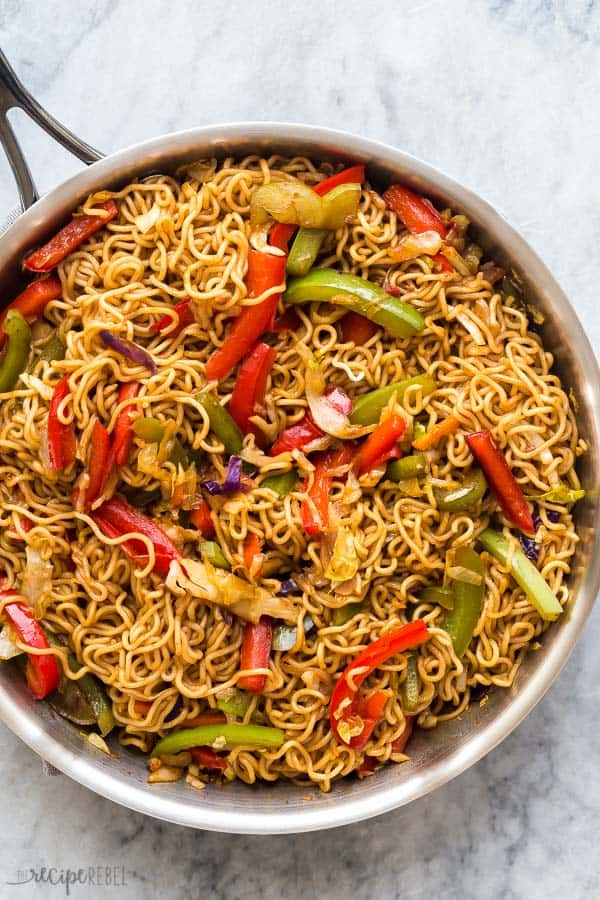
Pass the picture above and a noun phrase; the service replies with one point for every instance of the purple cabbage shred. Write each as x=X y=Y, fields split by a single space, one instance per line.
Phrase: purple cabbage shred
x=529 y=547
x=288 y=587
x=128 y=349
x=233 y=479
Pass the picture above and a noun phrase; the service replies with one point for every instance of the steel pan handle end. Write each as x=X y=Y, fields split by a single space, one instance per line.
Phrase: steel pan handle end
x=13 y=95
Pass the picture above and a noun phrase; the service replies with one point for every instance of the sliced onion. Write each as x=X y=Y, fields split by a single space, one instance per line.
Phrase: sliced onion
x=36 y=583
x=325 y=415
x=8 y=647
x=411 y=246
x=472 y=328
x=259 y=240
x=128 y=349
x=148 y=220
x=36 y=384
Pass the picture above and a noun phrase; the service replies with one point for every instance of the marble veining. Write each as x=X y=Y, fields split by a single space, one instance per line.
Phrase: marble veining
x=503 y=95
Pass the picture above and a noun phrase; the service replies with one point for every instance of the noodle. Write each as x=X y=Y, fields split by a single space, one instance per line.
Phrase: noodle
x=164 y=657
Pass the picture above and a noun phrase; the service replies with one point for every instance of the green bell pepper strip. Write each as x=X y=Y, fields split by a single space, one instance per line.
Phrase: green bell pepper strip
x=141 y=498
x=353 y=293
x=281 y=484
x=460 y=622
x=235 y=703
x=367 y=408
x=212 y=553
x=222 y=425
x=305 y=250
x=284 y=636
x=440 y=594
x=97 y=699
x=414 y=466
x=149 y=429
x=410 y=687
x=463 y=497
x=16 y=354
x=343 y=614
x=55 y=349
x=152 y=431
x=524 y=572
x=90 y=690
x=231 y=735
x=560 y=494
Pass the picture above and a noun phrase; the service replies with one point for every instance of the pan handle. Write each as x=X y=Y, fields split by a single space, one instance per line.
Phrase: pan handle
x=14 y=95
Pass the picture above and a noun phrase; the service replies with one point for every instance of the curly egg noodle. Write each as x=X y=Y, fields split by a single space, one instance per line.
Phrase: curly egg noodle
x=163 y=656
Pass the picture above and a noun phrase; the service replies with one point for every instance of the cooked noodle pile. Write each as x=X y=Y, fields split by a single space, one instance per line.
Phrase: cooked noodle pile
x=175 y=653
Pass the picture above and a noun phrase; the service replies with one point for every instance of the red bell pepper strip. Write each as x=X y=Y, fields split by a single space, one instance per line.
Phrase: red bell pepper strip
x=345 y=707
x=255 y=654
x=201 y=518
x=442 y=264
x=100 y=464
x=289 y=321
x=210 y=717
x=116 y=517
x=297 y=436
x=79 y=229
x=184 y=317
x=315 y=506
x=352 y=175
x=252 y=549
x=417 y=213
x=249 y=391
x=42 y=672
x=370 y=711
x=32 y=301
x=206 y=758
x=380 y=442
x=502 y=481
x=280 y=235
x=123 y=433
x=399 y=745
x=61 y=438
x=357 y=329
x=264 y=271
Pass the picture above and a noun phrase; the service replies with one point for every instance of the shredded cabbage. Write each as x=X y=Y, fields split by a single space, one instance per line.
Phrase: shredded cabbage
x=343 y=563
x=36 y=583
x=8 y=646
x=248 y=601
x=412 y=246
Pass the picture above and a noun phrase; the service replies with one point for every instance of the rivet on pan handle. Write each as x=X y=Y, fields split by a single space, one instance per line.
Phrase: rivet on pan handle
x=14 y=95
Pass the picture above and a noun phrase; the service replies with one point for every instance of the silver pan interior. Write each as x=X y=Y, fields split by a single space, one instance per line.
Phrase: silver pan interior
x=437 y=756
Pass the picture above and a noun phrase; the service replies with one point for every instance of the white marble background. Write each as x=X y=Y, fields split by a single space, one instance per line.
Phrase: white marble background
x=501 y=94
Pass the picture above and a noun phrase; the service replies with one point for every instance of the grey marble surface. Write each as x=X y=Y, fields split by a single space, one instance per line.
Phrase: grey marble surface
x=501 y=94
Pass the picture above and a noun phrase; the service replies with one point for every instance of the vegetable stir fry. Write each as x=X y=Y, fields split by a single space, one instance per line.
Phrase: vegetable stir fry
x=286 y=476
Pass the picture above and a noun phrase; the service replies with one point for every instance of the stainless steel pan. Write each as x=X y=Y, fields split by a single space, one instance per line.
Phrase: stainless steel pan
x=436 y=756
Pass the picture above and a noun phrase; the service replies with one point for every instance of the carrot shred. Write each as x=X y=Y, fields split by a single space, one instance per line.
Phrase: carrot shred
x=431 y=437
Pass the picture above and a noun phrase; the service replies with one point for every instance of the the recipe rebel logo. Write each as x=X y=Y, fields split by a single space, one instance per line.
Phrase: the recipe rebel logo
x=92 y=876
